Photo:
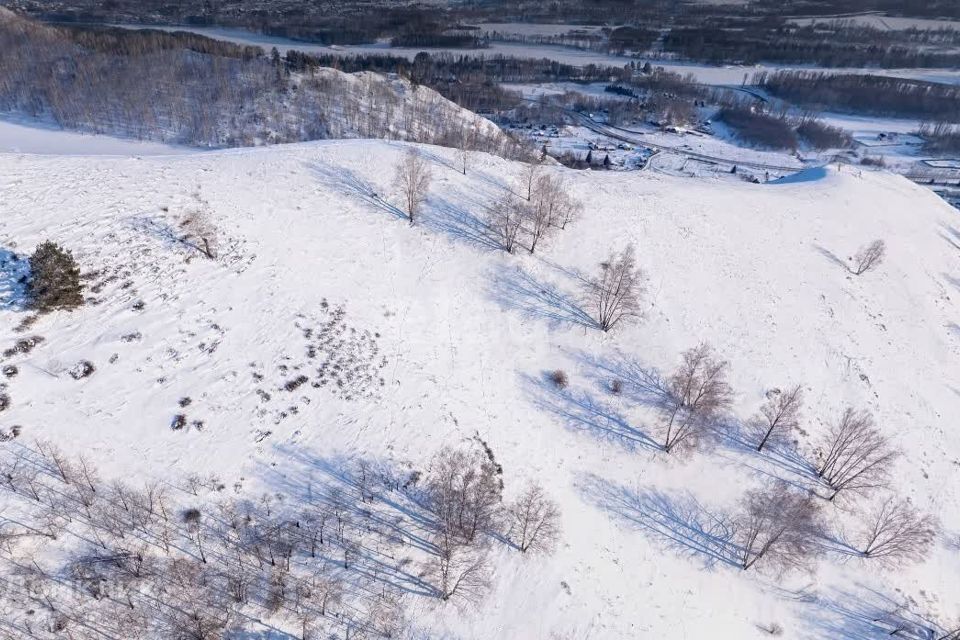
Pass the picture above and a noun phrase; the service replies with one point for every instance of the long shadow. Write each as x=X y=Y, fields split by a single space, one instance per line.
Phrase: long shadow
x=580 y=411
x=514 y=289
x=951 y=234
x=832 y=257
x=331 y=483
x=448 y=218
x=639 y=384
x=14 y=272
x=678 y=521
x=348 y=183
x=861 y=614
x=781 y=458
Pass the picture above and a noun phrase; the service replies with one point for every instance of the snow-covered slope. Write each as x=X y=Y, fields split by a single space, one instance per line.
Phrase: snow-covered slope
x=461 y=334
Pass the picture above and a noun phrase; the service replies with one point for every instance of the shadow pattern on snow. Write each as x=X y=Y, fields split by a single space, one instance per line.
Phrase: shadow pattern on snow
x=14 y=272
x=450 y=219
x=860 y=613
x=582 y=411
x=384 y=522
x=347 y=183
x=678 y=521
x=514 y=289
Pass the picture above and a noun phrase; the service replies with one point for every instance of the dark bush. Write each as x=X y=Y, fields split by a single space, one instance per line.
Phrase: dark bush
x=559 y=378
x=54 y=279
x=81 y=370
x=822 y=136
x=4 y=401
x=759 y=129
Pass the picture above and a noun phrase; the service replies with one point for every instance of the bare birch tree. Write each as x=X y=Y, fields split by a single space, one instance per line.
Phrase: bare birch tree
x=698 y=390
x=779 y=526
x=855 y=456
x=895 y=532
x=466 y=143
x=464 y=491
x=413 y=178
x=869 y=257
x=614 y=295
x=534 y=521
x=780 y=414
x=505 y=219
x=528 y=179
x=459 y=571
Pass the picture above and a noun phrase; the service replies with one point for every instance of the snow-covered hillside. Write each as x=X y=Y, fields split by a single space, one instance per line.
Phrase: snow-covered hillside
x=448 y=337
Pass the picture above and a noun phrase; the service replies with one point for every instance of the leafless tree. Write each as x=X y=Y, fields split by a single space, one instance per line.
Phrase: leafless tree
x=896 y=532
x=466 y=143
x=528 y=179
x=534 y=521
x=551 y=208
x=614 y=295
x=459 y=570
x=464 y=490
x=869 y=256
x=780 y=414
x=540 y=212
x=777 y=525
x=855 y=456
x=413 y=178
x=505 y=219
x=698 y=390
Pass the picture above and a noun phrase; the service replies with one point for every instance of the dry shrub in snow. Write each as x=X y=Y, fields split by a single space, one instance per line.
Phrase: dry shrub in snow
x=854 y=456
x=698 y=392
x=534 y=521
x=200 y=233
x=413 y=179
x=559 y=378
x=779 y=526
x=869 y=257
x=614 y=295
x=54 y=279
x=895 y=532
x=780 y=414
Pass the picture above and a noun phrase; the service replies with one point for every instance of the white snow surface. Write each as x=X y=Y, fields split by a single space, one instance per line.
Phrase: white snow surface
x=468 y=332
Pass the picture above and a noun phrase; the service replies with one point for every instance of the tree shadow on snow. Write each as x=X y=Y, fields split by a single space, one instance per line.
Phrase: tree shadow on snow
x=581 y=411
x=347 y=183
x=859 y=614
x=780 y=459
x=388 y=512
x=640 y=385
x=951 y=234
x=14 y=272
x=514 y=289
x=450 y=219
x=832 y=257
x=678 y=521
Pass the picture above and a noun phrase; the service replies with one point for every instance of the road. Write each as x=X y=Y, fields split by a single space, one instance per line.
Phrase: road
x=636 y=138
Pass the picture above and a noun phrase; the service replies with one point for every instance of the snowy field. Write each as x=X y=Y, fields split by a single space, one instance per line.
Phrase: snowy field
x=467 y=333
x=21 y=136
x=881 y=22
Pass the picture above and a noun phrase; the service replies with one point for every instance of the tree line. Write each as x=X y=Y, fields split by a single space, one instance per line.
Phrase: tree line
x=868 y=94
x=196 y=559
x=192 y=90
